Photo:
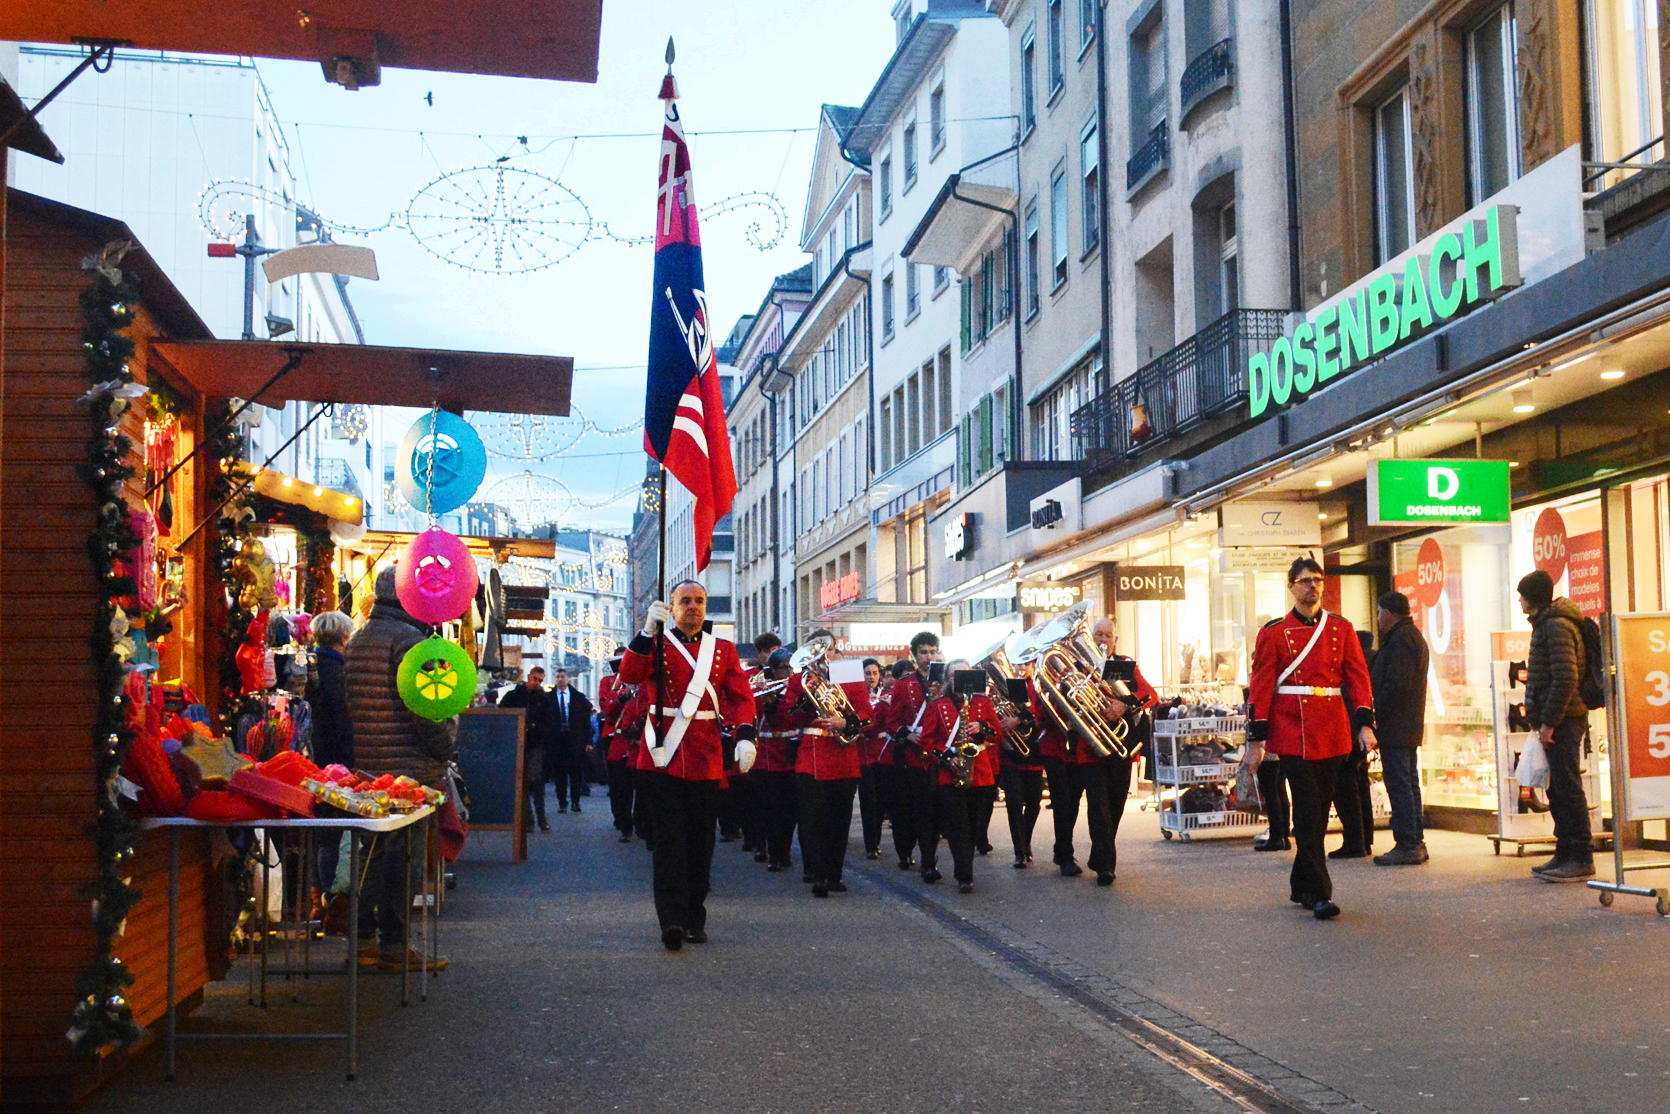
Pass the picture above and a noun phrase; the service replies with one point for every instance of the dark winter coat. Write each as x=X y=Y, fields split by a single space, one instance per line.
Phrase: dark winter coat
x=538 y=737
x=1555 y=669
x=333 y=731
x=1398 y=677
x=390 y=738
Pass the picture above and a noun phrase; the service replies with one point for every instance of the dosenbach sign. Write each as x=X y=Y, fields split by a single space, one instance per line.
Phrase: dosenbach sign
x=1437 y=492
x=1439 y=280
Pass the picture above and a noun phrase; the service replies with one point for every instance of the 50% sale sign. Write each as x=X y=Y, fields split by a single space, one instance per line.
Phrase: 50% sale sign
x=1641 y=657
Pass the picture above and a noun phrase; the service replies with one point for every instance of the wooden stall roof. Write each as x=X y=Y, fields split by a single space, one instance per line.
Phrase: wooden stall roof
x=29 y=137
x=374 y=375
x=509 y=38
x=377 y=540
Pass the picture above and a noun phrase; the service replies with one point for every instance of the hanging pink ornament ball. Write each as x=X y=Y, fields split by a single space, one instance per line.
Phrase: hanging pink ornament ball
x=435 y=577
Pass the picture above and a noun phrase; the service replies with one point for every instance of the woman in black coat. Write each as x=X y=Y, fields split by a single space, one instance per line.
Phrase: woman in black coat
x=327 y=691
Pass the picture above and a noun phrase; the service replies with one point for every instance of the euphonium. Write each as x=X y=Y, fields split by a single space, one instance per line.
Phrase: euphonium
x=826 y=697
x=997 y=665
x=1067 y=671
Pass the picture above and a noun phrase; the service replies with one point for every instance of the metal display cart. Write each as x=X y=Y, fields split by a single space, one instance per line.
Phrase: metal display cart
x=1179 y=746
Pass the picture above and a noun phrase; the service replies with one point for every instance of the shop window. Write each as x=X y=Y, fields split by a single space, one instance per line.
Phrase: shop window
x=1622 y=79
x=1394 y=182
x=1492 y=105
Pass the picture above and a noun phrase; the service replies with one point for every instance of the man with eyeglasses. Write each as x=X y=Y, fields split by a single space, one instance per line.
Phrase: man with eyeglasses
x=1310 y=694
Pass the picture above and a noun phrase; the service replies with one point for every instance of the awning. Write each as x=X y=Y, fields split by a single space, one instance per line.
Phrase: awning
x=508 y=38
x=287 y=489
x=374 y=376
x=29 y=137
x=375 y=541
x=970 y=209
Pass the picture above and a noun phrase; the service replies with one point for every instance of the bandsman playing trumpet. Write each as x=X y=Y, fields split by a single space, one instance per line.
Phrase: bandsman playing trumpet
x=779 y=740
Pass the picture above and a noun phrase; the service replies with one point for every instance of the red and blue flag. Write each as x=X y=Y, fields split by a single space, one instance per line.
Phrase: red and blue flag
x=684 y=411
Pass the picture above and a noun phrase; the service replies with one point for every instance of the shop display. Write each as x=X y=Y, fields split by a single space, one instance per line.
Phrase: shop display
x=441 y=463
x=1197 y=754
x=436 y=679
x=435 y=577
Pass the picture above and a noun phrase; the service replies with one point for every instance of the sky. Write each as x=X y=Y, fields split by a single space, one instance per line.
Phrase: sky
x=756 y=66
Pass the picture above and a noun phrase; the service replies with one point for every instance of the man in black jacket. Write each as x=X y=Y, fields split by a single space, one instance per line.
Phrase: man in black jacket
x=1398 y=676
x=565 y=762
x=537 y=739
x=1554 y=705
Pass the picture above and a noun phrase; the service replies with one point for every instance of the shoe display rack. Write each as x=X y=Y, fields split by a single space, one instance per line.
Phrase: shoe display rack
x=1195 y=763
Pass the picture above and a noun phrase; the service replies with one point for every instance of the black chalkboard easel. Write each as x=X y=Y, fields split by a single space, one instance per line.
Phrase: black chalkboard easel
x=491 y=756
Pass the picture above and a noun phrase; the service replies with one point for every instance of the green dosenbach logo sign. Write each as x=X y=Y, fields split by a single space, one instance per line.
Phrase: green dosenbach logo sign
x=1439 y=279
x=1437 y=492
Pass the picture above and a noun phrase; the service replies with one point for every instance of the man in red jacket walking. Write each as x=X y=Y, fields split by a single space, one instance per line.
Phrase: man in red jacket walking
x=1310 y=692
x=704 y=688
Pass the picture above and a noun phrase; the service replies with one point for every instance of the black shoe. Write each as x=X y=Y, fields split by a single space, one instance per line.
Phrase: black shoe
x=984 y=849
x=907 y=863
x=1104 y=877
x=836 y=886
x=562 y=808
x=1273 y=845
x=672 y=937
x=626 y=837
x=872 y=855
x=1302 y=899
x=1071 y=869
x=774 y=868
x=761 y=857
x=1325 y=910
x=1020 y=862
x=1348 y=853
x=931 y=875
x=696 y=936
x=965 y=887
x=544 y=825
x=576 y=807
x=820 y=888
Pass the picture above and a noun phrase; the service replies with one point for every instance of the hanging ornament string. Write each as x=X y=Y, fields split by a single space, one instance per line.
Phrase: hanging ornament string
x=429 y=479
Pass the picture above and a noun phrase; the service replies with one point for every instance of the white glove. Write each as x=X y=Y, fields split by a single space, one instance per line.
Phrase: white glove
x=658 y=618
x=745 y=755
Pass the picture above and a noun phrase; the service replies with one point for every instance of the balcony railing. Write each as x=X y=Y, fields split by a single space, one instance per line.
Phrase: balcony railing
x=1152 y=157
x=1213 y=69
x=1204 y=376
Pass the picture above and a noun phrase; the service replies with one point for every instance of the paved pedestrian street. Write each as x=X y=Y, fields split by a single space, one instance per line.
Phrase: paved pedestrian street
x=1191 y=985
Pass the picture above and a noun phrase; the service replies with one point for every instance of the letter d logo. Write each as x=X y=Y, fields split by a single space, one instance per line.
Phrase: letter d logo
x=1442 y=484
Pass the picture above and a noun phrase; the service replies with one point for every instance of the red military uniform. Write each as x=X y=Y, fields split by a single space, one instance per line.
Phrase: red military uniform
x=1315 y=711
x=909 y=696
x=943 y=716
x=823 y=754
x=700 y=756
x=873 y=746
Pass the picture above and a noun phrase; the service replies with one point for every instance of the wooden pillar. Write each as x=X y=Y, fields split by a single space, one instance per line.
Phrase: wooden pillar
x=3 y=193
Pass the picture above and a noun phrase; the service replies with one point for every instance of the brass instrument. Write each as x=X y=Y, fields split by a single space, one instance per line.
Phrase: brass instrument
x=1002 y=670
x=1067 y=668
x=962 y=750
x=827 y=698
x=763 y=685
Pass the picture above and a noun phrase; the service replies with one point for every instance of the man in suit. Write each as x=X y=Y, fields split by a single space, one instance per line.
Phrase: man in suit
x=565 y=764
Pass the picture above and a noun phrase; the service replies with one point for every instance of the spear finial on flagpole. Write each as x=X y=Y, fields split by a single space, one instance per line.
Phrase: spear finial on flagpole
x=669 y=87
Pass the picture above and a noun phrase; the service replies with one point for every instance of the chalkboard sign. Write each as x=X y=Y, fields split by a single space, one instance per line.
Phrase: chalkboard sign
x=490 y=756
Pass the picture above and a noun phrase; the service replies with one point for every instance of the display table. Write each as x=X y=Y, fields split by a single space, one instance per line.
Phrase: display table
x=356 y=827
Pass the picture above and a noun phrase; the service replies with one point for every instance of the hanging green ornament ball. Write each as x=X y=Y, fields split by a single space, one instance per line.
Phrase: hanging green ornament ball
x=436 y=679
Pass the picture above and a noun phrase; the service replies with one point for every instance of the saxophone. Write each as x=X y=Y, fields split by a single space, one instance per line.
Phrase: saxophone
x=962 y=750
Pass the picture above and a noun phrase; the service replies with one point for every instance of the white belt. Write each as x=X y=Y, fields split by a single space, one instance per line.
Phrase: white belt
x=778 y=734
x=674 y=712
x=1306 y=690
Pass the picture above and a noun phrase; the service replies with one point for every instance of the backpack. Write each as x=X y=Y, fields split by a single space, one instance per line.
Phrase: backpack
x=1592 y=686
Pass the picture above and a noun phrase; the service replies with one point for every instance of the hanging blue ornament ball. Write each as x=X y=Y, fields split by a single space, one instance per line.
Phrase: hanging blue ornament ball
x=441 y=463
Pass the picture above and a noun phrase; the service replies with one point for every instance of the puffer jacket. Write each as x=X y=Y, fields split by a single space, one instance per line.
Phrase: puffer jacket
x=1555 y=668
x=388 y=737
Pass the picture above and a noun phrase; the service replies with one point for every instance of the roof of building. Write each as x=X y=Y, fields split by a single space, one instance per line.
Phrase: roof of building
x=917 y=50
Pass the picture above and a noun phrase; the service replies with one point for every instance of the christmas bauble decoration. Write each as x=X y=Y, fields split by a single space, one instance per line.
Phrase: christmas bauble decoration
x=435 y=577
x=442 y=462
x=436 y=679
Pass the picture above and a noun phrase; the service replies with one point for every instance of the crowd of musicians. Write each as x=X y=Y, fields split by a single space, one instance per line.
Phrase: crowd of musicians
x=701 y=748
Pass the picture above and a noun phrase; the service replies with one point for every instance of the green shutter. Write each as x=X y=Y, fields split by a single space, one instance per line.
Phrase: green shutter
x=967 y=299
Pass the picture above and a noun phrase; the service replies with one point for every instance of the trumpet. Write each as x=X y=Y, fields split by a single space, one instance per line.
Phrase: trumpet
x=827 y=698
x=1001 y=671
x=1067 y=670
x=764 y=686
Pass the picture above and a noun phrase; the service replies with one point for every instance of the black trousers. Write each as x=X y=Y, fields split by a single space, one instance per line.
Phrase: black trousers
x=1352 y=802
x=1312 y=782
x=684 y=814
x=730 y=810
x=1274 y=791
x=533 y=799
x=568 y=773
x=958 y=810
x=825 y=810
x=385 y=897
x=780 y=816
x=1066 y=787
x=743 y=791
x=986 y=802
x=643 y=818
x=620 y=795
x=871 y=807
x=1567 y=802
x=917 y=798
x=1107 y=784
x=890 y=786
x=1023 y=796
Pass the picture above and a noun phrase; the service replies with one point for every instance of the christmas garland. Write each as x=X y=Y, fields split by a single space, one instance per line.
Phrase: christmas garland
x=230 y=533
x=102 y=1017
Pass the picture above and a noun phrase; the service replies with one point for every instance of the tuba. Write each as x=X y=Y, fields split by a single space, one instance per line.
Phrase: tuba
x=1002 y=670
x=824 y=695
x=1068 y=672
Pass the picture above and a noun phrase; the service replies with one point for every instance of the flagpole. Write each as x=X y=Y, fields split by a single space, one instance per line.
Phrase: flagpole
x=661 y=511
